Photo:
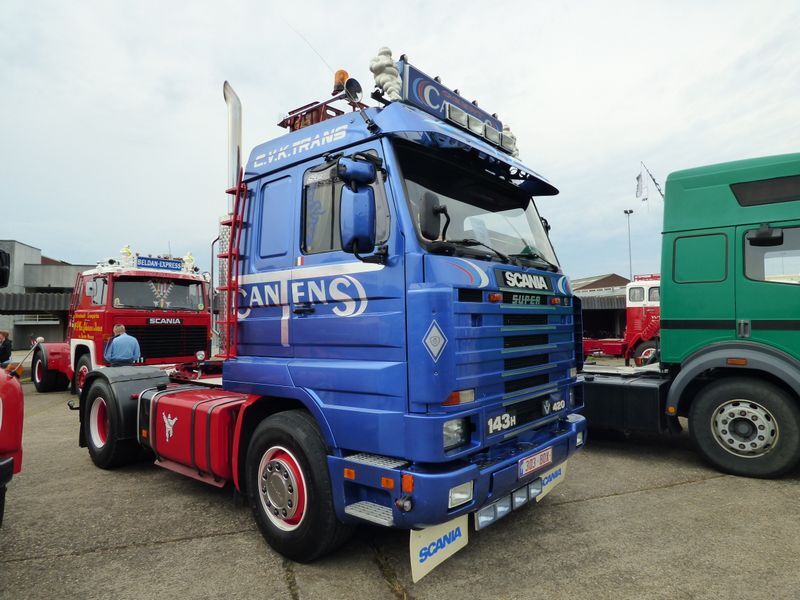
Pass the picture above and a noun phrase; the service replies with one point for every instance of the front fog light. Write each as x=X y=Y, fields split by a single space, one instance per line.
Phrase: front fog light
x=484 y=517
x=454 y=433
x=579 y=439
x=519 y=497
x=461 y=494
x=535 y=488
x=502 y=507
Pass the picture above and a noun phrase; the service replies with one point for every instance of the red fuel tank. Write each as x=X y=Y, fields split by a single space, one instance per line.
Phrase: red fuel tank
x=194 y=428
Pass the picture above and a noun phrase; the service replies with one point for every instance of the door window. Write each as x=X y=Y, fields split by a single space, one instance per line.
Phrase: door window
x=99 y=296
x=322 y=196
x=776 y=264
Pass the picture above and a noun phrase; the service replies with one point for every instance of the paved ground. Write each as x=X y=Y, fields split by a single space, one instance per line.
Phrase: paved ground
x=640 y=518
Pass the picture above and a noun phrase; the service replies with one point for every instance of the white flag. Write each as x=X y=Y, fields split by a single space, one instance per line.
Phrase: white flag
x=639 y=185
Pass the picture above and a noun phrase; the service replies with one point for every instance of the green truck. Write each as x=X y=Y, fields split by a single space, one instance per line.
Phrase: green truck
x=730 y=321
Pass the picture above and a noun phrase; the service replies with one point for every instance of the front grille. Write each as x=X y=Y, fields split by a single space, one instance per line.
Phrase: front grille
x=470 y=295
x=525 y=361
x=524 y=340
x=162 y=341
x=524 y=319
x=526 y=382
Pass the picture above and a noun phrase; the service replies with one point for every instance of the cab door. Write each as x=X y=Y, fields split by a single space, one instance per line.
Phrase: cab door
x=348 y=320
x=768 y=286
x=267 y=255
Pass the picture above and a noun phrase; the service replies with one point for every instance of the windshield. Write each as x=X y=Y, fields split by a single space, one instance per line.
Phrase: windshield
x=482 y=206
x=154 y=292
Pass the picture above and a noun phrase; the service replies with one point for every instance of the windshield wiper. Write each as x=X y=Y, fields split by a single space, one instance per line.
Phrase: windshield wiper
x=471 y=242
x=535 y=256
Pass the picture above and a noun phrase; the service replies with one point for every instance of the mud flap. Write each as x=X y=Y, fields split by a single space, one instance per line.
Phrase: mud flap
x=431 y=546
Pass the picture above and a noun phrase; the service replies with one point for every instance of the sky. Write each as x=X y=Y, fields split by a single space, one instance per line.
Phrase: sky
x=113 y=126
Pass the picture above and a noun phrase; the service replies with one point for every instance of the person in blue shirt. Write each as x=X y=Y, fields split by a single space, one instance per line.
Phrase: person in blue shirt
x=123 y=349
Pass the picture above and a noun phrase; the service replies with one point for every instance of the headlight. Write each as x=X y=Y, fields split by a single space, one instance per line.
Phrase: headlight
x=200 y=355
x=573 y=372
x=461 y=494
x=455 y=433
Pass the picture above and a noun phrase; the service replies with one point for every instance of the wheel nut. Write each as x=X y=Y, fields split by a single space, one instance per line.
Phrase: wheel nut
x=742 y=413
x=724 y=421
x=285 y=475
x=283 y=512
x=741 y=446
x=761 y=427
x=290 y=489
x=289 y=501
x=761 y=438
x=724 y=432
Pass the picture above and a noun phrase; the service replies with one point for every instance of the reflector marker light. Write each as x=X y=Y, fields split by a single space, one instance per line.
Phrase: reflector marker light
x=495 y=297
x=349 y=473
x=736 y=362
x=387 y=483
x=460 y=397
x=407 y=483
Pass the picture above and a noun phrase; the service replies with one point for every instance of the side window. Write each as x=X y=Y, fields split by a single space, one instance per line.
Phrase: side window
x=99 y=296
x=700 y=258
x=654 y=294
x=778 y=264
x=636 y=294
x=322 y=196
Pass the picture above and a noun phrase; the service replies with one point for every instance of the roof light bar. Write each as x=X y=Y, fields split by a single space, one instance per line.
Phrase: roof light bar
x=474 y=125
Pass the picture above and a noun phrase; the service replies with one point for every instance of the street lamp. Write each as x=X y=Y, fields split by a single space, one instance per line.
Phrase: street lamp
x=628 y=212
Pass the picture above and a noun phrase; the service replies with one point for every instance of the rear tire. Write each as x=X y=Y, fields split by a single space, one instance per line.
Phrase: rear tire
x=44 y=379
x=289 y=488
x=747 y=427
x=100 y=428
x=646 y=352
x=82 y=369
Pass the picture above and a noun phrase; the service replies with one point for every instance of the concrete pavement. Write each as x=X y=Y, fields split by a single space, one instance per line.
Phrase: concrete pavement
x=635 y=518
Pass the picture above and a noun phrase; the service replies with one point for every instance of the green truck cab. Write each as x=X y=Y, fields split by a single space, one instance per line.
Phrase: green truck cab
x=730 y=321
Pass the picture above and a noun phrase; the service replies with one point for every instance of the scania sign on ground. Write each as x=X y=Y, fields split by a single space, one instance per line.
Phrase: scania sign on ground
x=524 y=281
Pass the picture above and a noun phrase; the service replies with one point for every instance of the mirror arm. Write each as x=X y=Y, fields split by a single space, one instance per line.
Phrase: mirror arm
x=379 y=257
x=442 y=210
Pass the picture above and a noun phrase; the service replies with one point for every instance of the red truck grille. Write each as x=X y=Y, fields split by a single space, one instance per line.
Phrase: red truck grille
x=168 y=341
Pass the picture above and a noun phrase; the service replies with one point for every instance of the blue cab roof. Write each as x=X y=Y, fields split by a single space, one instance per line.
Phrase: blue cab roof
x=398 y=120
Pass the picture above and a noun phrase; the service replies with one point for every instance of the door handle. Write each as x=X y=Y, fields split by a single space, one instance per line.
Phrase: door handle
x=743 y=328
x=303 y=308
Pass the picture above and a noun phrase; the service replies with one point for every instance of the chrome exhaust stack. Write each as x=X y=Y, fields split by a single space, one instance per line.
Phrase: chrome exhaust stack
x=234 y=166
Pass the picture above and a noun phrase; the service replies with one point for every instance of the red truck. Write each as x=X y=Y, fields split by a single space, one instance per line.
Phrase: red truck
x=11 y=411
x=643 y=323
x=161 y=301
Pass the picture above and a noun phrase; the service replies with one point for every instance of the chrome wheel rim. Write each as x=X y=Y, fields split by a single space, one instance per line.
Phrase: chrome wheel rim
x=282 y=488
x=744 y=428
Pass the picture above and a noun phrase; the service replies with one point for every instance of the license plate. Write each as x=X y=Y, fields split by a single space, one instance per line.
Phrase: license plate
x=532 y=463
x=551 y=479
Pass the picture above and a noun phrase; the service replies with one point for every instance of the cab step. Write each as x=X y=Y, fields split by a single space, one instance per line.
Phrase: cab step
x=376 y=460
x=369 y=511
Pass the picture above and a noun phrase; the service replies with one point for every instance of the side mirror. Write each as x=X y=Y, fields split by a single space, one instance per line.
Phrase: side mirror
x=357 y=220
x=89 y=288
x=5 y=268
x=356 y=172
x=430 y=217
x=765 y=236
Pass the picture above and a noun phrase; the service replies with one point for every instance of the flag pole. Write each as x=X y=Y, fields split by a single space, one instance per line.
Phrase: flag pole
x=658 y=187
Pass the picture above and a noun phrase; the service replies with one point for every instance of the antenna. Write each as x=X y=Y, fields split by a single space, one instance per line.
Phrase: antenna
x=302 y=37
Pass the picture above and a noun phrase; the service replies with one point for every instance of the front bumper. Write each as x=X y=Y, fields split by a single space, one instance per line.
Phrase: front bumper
x=6 y=470
x=494 y=474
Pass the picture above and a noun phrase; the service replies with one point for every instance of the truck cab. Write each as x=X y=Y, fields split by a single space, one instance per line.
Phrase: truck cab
x=400 y=344
x=161 y=301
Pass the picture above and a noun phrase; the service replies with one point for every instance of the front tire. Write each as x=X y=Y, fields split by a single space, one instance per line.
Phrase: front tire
x=100 y=429
x=82 y=370
x=646 y=352
x=44 y=379
x=747 y=427
x=286 y=474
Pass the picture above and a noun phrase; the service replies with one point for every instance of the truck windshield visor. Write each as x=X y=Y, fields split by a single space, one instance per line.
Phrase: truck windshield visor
x=482 y=204
x=158 y=293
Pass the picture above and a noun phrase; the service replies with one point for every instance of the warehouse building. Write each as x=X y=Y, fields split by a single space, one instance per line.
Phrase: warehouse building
x=36 y=301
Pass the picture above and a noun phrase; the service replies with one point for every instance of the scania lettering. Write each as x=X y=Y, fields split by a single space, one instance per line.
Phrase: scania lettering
x=730 y=309
x=373 y=366
x=161 y=301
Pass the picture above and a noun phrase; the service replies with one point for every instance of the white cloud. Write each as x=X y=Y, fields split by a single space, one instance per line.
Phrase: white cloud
x=113 y=128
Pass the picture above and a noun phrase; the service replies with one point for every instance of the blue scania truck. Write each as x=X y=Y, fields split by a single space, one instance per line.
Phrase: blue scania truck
x=398 y=343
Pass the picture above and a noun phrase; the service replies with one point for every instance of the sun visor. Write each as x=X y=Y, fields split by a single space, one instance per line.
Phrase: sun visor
x=411 y=124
